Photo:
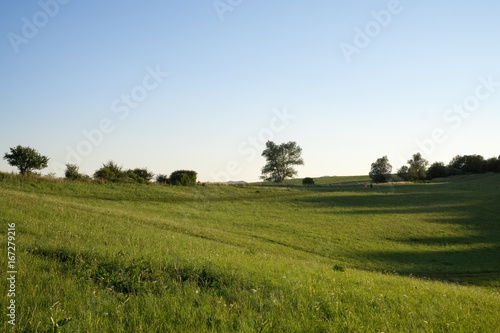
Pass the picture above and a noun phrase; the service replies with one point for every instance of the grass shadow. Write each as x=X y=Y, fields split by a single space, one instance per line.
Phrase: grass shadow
x=470 y=206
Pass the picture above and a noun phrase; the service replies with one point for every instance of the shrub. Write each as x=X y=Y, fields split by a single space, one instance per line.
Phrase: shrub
x=72 y=172
x=308 y=181
x=143 y=175
x=130 y=176
x=110 y=172
x=162 y=179
x=183 y=177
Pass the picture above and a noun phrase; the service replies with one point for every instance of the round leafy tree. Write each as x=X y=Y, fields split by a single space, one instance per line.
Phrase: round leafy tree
x=280 y=161
x=26 y=159
x=381 y=170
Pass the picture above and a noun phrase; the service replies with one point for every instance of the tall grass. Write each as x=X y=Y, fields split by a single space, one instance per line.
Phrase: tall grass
x=144 y=258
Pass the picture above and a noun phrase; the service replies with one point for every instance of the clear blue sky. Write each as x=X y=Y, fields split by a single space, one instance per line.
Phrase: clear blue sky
x=347 y=98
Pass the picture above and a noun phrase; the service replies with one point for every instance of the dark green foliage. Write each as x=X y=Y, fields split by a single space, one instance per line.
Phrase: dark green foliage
x=183 y=178
x=280 y=161
x=458 y=162
x=466 y=164
x=403 y=173
x=143 y=174
x=110 y=172
x=438 y=170
x=475 y=164
x=469 y=164
x=308 y=181
x=26 y=159
x=493 y=164
x=418 y=167
x=72 y=173
x=381 y=170
x=454 y=171
x=163 y=179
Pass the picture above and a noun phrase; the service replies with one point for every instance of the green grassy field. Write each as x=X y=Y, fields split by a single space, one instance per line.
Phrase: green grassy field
x=147 y=258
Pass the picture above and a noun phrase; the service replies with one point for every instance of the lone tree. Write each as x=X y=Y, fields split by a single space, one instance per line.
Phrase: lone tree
x=418 y=167
x=280 y=161
x=26 y=159
x=381 y=170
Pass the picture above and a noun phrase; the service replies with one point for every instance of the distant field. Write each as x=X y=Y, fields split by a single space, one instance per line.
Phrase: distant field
x=148 y=258
x=333 y=180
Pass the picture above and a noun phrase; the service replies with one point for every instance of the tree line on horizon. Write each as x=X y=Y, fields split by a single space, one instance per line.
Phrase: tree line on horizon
x=280 y=162
x=111 y=172
x=418 y=168
x=27 y=159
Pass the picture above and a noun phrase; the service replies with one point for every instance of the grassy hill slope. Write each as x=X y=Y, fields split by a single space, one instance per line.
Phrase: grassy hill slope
x=138 y=258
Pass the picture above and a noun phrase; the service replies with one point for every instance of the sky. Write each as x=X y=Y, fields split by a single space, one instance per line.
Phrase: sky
x=203 y=84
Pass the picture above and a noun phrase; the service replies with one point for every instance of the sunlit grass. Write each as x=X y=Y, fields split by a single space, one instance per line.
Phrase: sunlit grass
x=147 y=258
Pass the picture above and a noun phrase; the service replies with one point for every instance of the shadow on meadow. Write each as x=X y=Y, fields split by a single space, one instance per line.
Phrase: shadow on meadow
x=473 y=258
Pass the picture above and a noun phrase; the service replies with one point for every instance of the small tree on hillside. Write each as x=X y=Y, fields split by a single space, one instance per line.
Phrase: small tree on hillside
x=280 y=161
x=110 y=172
x=381 y=170
x=26 y=159
x=72 y=172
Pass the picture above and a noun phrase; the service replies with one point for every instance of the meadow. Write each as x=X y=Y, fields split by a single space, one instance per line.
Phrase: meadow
x=335 y=257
